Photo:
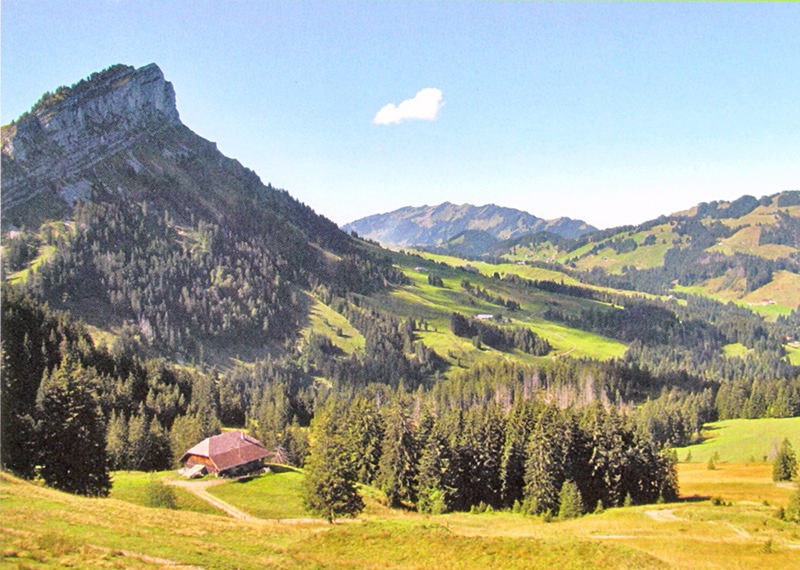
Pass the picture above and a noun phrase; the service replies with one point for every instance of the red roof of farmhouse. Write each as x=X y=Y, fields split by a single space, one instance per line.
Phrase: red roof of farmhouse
x=229 y=449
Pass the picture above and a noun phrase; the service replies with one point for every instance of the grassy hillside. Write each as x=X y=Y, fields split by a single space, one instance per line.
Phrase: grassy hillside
x=420 y=300
x=778 y=297
x=743 y=440
x=270 y=496
x=131 y=487
x=652 y=244
x=44 y=528
x=323 y=320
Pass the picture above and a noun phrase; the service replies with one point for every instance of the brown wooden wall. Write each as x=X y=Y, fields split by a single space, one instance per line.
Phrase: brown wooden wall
x=199 y=459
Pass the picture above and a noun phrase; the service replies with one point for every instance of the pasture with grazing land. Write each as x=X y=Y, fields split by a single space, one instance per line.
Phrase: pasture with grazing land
x=269 y=496
x=739 y=441
x=44 y=528
x=132 y=487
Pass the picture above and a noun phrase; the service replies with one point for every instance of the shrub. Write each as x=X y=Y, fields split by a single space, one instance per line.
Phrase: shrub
x=159 y=495
x=432 y=501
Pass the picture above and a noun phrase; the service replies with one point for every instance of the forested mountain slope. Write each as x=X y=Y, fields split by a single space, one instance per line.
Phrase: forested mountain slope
x=132 y=220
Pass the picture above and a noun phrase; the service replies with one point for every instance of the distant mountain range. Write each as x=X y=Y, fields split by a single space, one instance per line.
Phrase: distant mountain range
x=435 y=225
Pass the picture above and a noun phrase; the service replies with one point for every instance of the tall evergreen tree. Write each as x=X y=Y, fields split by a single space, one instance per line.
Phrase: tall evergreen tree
x=544 y=467
x=117 y=446
x=186 y=432
x=397 y=475
x=512 y=466
x=489 y=451
x=784 y=468
x=331 y=479
x=435 y=473
x=365 y=433
x=570 y=504
x=71 y=432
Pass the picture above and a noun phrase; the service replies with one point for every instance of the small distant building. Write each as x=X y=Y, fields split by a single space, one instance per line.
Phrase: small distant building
x=227 y=454
x=484 y=317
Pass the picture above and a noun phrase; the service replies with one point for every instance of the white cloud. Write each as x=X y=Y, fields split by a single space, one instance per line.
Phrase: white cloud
x=424 y=106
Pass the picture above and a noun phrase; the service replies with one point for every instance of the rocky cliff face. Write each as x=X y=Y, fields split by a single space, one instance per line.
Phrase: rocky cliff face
x=47 y=155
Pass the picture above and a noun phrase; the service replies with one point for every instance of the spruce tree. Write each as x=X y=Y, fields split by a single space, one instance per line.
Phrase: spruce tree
x=331 y=478
x=117 y=446
x=544 y=465
x=434 y=479
x=397 y=474
x=186 y=432
x=365 y=433
x=512 y=466
x=784 y=468
x=71 y=433
x=570 y=501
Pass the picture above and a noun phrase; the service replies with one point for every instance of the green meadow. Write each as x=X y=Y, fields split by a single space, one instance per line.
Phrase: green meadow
x=434 y=305
x=736 y=441
x=325 y=321
x=793 y=352
x=43 y=528
x=131 y=487
x=275 y=495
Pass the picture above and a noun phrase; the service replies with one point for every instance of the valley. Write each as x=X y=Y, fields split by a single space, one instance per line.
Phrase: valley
x=545 y=394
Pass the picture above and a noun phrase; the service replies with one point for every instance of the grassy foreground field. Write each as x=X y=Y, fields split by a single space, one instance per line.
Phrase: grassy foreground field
x=42 y=528
x=271 y=496
x=131 y=487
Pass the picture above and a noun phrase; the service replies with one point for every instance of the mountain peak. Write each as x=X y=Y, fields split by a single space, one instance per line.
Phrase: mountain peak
x=74 y=127
x=434 y=225
x=119 y=91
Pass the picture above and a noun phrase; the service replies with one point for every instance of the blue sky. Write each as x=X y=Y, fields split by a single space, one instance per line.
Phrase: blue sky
x=614 y=113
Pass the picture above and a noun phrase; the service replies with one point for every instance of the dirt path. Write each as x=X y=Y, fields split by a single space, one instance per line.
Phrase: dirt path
x=199 y=489
x=160 y=562
x=741 y=532
x=663 y=515
x=566 y=352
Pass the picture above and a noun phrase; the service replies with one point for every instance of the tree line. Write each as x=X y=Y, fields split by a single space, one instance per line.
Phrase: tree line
x=500 y=338
x=437 y=459
x=146 y=413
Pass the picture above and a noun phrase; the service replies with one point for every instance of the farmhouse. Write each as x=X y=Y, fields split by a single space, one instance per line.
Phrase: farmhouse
x=230 y=453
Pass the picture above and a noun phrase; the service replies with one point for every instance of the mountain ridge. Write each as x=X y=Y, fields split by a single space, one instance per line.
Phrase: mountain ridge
x=47 y=150
x=434 y=225
x=126 y=217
